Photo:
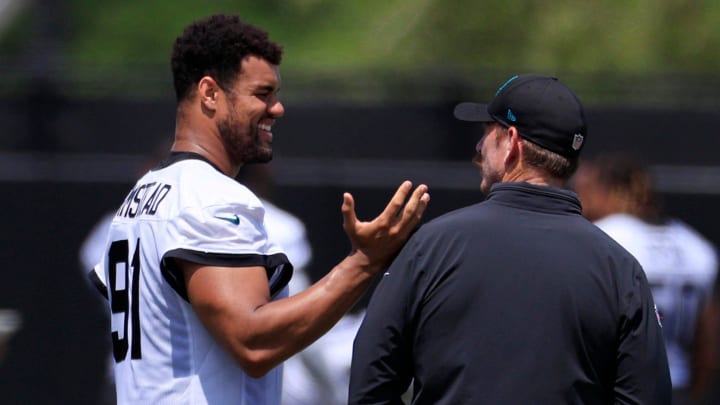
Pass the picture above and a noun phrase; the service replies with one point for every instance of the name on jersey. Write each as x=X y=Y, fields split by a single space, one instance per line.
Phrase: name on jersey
x=143 y=200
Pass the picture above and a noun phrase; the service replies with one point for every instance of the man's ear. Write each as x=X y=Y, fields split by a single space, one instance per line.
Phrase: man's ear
x=513 y=145
x=208 y=90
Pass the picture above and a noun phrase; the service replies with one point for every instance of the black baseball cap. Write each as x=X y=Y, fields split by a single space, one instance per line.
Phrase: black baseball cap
x=543 y=109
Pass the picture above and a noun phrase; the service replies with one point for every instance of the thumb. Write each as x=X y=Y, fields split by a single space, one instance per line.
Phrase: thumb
x=348 y=212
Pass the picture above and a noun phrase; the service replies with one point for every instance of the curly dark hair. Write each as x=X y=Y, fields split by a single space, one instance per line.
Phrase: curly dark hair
x=215 y=46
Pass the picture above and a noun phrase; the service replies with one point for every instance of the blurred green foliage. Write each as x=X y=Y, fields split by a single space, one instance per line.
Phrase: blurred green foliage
x=635 y=35
x=404 y=40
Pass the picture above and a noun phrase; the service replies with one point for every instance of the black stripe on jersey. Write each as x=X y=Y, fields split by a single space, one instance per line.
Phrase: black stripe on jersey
x=95 y=281
x=277 y=267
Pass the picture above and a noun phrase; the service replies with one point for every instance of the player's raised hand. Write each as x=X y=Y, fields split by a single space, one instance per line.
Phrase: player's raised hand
x=380 y=239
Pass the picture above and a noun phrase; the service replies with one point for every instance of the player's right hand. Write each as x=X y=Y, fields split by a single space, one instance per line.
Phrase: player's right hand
x=379 y=240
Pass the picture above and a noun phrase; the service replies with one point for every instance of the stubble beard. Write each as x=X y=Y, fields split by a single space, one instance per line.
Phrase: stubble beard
x=484 y=178
x=490 y=176
x=242 y=147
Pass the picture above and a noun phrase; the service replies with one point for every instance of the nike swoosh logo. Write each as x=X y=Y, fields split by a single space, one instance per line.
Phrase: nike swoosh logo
x=233 y=220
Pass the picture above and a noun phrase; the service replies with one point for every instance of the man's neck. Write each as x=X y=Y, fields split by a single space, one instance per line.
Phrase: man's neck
x=531 y=176
x=187 y=141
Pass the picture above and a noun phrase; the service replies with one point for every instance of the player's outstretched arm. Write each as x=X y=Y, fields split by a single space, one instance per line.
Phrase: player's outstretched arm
x=234 y=304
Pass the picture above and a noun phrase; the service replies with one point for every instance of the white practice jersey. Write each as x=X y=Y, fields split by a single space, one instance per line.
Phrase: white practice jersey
x=681 y=267
x=163 y=354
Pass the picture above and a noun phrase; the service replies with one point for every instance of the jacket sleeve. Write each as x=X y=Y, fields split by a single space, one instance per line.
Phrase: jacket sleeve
x=642 y=376
x=381 y=363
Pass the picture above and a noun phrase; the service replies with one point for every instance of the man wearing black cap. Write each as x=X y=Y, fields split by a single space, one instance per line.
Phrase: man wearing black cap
x=517 y=299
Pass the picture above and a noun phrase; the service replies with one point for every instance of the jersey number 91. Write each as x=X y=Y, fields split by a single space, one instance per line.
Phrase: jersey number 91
x=124 y=298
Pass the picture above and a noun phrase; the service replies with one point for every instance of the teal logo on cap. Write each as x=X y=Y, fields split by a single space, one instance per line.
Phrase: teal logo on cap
x=511 y=116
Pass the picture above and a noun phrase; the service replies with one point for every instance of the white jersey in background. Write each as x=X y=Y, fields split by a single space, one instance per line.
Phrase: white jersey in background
x=681 y=267
x=320 y=374
x=163 y=354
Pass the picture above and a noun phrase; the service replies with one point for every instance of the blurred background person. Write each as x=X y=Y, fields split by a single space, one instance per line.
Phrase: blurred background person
x=706 y=353
x=10 y=322
x=617 y=193
x=705 y=387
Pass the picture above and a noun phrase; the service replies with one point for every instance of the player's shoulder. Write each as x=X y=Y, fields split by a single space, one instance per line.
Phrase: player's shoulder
x=699 y=248
x=620 y=222
x=627 y=230
x=689 y=234
x=194 y=173
x=199 y=183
